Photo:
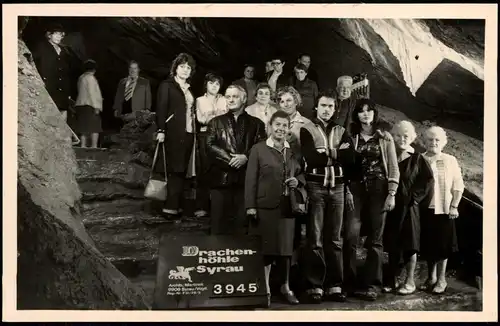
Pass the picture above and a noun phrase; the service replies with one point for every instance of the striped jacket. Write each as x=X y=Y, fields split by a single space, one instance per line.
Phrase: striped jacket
x=319 y=146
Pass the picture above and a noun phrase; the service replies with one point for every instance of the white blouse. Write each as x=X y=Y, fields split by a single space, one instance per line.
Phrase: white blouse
x=447 y=178
x=208 y=108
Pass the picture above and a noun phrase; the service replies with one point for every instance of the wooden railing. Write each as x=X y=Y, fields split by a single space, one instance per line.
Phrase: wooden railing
x=361 y=85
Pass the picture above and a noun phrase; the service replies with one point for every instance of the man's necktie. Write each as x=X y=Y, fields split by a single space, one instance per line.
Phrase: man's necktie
x=129 y=90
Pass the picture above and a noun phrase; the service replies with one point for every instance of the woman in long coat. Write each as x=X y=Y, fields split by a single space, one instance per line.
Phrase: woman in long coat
x=402 y=229
x=53 y=62
x=175 y=99
x=271 y=171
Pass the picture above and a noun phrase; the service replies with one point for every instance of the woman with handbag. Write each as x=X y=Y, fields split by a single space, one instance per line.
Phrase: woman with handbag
x=273 y=174
x=175 y=99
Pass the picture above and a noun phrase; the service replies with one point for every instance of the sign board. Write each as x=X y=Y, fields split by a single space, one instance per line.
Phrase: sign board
x=204 y=272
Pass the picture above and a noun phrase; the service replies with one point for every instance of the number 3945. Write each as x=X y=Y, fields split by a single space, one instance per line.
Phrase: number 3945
x=229 y=289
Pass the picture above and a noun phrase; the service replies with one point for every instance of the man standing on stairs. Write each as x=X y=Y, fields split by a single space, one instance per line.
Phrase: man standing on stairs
x=322 y=260
x=133 y=93
x=345 y=103
x=230 y=138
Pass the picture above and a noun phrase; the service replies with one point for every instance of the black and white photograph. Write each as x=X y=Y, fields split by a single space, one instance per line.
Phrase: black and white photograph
x=211 y=159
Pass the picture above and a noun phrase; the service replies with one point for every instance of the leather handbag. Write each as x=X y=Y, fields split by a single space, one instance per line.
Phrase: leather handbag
x=157 y=189
x=299 y=200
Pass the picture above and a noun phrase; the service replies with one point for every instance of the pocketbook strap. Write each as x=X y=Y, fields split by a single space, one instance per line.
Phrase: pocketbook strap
x=155 y=160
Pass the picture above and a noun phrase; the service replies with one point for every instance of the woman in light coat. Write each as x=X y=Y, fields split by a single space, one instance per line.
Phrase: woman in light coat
x=88 y=106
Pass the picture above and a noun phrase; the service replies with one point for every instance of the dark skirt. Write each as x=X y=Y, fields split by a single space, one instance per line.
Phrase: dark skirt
x=438 y=237
x=276 y=228
x=86 y=121
x=402 y=229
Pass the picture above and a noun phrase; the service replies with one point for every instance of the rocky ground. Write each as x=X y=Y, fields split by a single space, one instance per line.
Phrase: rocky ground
x=126 y=229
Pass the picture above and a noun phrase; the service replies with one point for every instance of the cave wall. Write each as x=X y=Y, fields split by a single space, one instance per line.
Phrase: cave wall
x=58 y=264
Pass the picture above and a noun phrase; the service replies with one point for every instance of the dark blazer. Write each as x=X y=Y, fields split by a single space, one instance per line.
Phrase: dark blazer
x=343 y=112
x=55 y=71
x=266 y=175
x=222 y=141
x=171 y=100
x=141 y=99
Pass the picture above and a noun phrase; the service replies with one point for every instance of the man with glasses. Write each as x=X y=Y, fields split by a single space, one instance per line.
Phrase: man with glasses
x=276 y=77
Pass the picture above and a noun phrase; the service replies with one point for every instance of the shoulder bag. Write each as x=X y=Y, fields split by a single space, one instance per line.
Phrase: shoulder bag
x=157 y=189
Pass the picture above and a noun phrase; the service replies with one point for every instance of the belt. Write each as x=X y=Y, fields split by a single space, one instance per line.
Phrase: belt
x=320 y=178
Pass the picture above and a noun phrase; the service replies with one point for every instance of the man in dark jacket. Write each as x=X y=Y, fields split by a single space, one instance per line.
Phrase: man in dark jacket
x=322 y=260
x=276 y=78
x=230 y=138
x=345 y=103
x=52 y=61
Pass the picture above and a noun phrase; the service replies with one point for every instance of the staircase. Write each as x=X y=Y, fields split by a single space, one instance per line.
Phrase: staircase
x=126 y=229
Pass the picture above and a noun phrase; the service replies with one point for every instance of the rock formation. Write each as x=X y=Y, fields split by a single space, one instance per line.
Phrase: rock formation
x=58 y=264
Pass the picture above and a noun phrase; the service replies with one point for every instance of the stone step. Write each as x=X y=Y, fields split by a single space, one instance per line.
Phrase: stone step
x=93 y=191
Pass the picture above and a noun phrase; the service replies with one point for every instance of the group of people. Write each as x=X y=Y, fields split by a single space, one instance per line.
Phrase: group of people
x=360 y=180
x=260 y=146
x=54 y=63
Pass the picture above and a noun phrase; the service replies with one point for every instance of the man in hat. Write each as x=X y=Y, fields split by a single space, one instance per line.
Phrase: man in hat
x=53 y=62
x=346 y=100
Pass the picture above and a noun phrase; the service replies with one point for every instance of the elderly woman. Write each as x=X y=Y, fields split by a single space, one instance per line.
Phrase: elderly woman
x=88 y=106
x=272 y=170
x=438 y=220
x=289 y=100
x=402 y=229
x=372 y=171
x=175 y=99
x=263 y=108
x=208 y=106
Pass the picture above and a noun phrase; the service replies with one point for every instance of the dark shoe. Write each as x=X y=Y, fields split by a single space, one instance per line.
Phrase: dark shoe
x=337 y=297
x=313 y=298
x=290 y=298
x=369 y=295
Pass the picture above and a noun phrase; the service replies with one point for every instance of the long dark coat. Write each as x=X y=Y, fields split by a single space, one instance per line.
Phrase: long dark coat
x=416 y=185
x=178 y=144
x=264 y=186
x=56 y=71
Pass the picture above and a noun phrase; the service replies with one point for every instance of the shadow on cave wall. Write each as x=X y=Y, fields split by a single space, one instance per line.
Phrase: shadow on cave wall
x=224 y=45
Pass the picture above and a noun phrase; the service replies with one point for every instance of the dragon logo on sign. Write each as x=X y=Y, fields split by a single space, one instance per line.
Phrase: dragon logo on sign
x=181 y=273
